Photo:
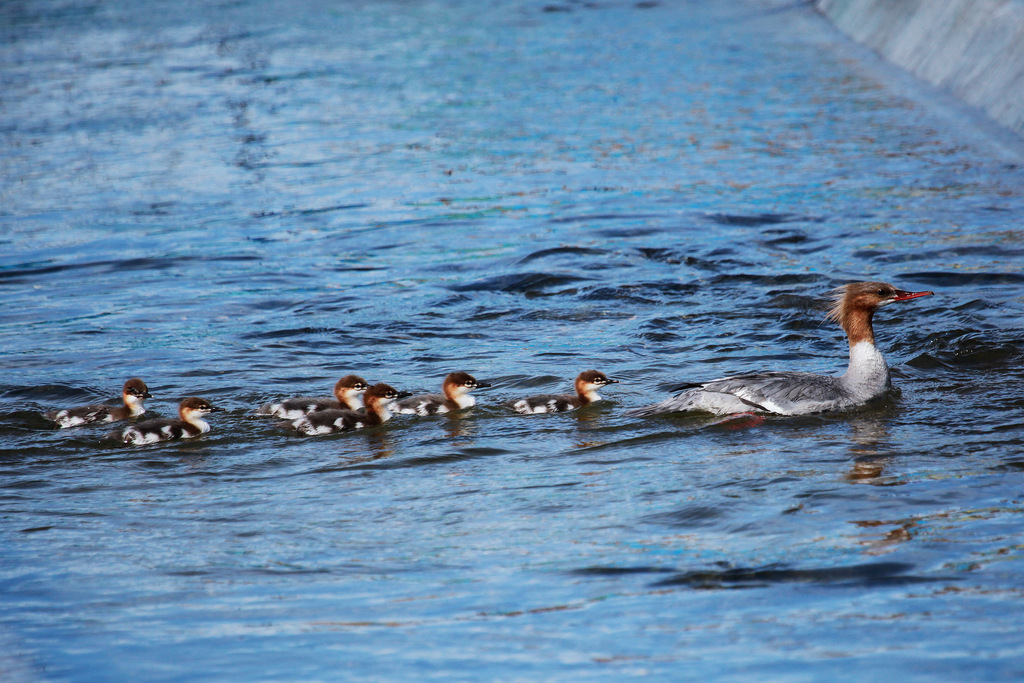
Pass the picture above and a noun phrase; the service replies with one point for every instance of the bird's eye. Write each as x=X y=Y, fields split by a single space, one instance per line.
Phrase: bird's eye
x=881 y=292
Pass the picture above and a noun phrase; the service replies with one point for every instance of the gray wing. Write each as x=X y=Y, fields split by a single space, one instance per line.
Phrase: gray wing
x=423 y=404
x=73 y=417
x=293 y=408
x=783 y=393
x=328 y=421
x=152 y=431
x=546 y=403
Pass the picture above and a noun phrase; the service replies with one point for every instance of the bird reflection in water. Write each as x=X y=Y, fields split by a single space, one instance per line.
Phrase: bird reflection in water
x=587 y=424
x=870 y=449
x=887 y=542
x=378 y=447
x=456 y=426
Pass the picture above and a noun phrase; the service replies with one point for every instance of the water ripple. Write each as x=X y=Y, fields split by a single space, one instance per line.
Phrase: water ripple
x=247 y=200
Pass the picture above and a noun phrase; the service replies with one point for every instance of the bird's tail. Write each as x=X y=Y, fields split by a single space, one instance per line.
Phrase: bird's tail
x=675 y=404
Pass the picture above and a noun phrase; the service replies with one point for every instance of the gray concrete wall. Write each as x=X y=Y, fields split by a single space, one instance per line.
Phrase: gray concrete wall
x=973 y=48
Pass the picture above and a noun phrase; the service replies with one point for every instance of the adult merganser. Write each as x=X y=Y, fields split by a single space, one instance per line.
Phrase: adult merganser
x=377 y=398
x=348 y=394
x=456 y=388
x=133 y=394
x=800 y=393
x=587 y=384
x=190 y=423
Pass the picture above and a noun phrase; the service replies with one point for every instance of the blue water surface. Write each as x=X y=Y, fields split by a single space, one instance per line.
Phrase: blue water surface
x=246 y=200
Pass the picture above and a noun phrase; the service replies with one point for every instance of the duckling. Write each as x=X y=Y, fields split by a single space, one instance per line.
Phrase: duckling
x=456 y=388
x=190 y=423
x=133 y=394
x=377 y=398
x=348 y=394
x=587 y=383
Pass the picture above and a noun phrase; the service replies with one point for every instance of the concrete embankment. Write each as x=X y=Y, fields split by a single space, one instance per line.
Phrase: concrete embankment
x=972 y=48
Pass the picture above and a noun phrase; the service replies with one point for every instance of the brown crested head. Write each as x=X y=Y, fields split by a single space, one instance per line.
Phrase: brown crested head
x=593 y=377
x=463 y=379
x=854 y=304
x=460 y=379
x=380 y=393
x=351 y=383
x=194 y=404
x=136 y=387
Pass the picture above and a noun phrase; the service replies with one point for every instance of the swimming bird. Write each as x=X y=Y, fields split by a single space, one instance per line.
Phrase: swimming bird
x=190 y=423
x=800 y=393
x=377 y=398
x=455 y=396
x=587 y=383
x=348 y=394
x=133 y=394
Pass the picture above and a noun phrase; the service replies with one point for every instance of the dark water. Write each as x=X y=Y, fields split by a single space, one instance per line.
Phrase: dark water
x=247 y=200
